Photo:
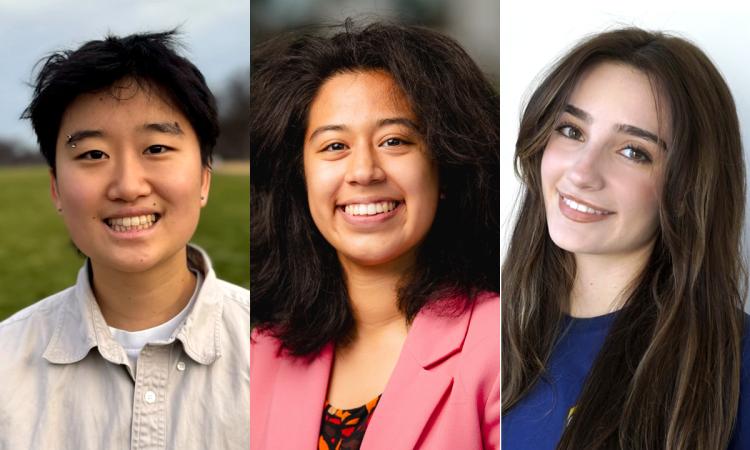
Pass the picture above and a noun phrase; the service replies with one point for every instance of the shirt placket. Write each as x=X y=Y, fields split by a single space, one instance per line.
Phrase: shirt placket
x=149 y=426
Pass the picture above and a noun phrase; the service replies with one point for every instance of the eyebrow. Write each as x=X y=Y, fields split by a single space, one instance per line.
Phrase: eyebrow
x=164 y=127
x=83 y=134
x=621 y=128
x=578 y=112
x=398 y=121
x=161 y=127
x=641 y=133
x=381 y=123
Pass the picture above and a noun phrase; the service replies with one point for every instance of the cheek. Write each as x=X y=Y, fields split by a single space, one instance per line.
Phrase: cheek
x=178 y=183
x=78 y=195
x=321 y=184
x=183 y=188
x=552 y=169
x=641 y=198
x=418 y=180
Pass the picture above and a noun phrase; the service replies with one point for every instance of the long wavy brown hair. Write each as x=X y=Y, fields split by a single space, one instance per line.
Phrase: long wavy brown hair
x=668 y=374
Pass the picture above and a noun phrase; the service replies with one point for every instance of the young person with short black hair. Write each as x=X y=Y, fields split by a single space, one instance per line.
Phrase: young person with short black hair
x=149 y=348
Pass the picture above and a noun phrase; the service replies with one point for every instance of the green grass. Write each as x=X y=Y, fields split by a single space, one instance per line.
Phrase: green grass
x=37 y=258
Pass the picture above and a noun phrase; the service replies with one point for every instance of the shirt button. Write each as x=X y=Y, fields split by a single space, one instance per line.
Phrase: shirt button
x=180 y=366
x=149 y=396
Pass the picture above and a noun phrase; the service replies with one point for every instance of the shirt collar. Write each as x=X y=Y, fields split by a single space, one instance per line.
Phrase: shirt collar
x=80 y=325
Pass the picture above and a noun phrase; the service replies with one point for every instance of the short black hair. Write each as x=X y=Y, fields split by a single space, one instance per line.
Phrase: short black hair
x=297 y=289
x=149 y=58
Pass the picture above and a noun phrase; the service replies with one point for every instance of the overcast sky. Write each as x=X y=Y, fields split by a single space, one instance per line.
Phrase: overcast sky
x=215 y=34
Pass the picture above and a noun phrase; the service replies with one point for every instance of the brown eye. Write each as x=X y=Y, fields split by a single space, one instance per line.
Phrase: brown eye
x=570 y=132
x=93 y=155
x=156 y=149
x=335 y=147
x=635 y=154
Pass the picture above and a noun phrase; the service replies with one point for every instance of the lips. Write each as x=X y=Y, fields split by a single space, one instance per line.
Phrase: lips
x=132 y=222
x=579 y=211
x=370 y=209
x=582 y=207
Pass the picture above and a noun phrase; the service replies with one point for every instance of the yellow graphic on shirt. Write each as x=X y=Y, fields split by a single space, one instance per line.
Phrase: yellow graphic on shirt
x=570 y=415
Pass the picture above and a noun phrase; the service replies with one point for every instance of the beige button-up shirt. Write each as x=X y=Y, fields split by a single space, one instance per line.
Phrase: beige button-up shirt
x=65 y=382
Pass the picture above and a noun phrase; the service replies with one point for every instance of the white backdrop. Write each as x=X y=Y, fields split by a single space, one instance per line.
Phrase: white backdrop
x=534 y=33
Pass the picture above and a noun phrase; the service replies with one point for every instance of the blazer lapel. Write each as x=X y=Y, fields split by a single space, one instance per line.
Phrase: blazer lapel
x=417 y=386
x=299 y=391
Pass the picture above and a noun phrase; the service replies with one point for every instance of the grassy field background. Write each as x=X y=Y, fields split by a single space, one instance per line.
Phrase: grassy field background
x=37 y=258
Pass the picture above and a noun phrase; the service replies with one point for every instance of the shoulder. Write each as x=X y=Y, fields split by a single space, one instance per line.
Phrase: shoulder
x=480 y=354
x=741 y=435
x=234 y=296
x=466 y=347
x=485 y=317
x=467 y=341
x=235 y=311
x=268 y=356
x=25 y=335
x=36 y=319
x=475 y=325
x=746 y=349
x=263 y=342
x=38 y=310
x=266 y=353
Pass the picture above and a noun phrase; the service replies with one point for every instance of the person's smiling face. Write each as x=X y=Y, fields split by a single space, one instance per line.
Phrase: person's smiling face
x=602 y=169
x=372 y=187
x=129 y=180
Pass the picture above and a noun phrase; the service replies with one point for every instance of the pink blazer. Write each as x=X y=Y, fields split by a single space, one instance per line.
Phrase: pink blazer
x=443 y=394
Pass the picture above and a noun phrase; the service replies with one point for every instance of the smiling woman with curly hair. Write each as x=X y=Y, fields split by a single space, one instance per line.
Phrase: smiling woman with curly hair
x=375 y=257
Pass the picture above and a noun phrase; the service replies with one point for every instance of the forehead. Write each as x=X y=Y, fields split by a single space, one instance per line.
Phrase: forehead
x=350 y=96
x=124 y=105
x=618 y=93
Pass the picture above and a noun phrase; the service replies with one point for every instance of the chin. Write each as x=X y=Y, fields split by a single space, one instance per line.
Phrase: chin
x=374 y=257
x=137 y=266
x=572 y=245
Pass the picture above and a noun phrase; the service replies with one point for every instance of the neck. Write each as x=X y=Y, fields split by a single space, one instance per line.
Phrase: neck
x=137 y=301
x=602 y=282
x=373 y=296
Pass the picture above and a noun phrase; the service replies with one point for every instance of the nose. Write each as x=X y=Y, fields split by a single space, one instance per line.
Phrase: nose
x=363 y=166
x=586 y=169
x=129 y=179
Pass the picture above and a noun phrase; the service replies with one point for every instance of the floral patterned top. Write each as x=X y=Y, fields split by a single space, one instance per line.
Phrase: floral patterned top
x=344 y=429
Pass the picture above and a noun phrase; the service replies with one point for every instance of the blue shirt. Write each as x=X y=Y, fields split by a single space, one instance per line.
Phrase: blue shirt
x=538 y=420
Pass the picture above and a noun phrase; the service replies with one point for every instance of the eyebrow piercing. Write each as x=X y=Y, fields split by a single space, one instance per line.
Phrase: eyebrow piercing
x=73 y=145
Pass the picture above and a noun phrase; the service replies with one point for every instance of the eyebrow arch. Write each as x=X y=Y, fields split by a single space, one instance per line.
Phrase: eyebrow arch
x=82 y=134
x=326 y=128
x=164 y=127
x=398 y=121
x=622 y=128
x=381 y=123
x=578 y=112
x=641 y=133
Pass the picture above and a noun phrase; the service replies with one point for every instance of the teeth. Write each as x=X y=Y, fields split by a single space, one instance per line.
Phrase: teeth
x=132 y=223
x=582 y=208
x=369 y=209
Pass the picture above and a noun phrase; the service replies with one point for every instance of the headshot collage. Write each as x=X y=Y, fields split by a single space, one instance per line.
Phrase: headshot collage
x=374 y=224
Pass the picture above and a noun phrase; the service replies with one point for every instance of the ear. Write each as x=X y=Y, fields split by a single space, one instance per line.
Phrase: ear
x=53 y=191
x=205 y=184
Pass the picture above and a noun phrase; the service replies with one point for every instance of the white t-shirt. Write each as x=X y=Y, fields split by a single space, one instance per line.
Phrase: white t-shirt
x=134 y=341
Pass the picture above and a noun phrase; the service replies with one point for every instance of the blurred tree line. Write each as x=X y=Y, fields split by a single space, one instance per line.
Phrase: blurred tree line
x=233 y=102
x=14 y=153
x=270 y=17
